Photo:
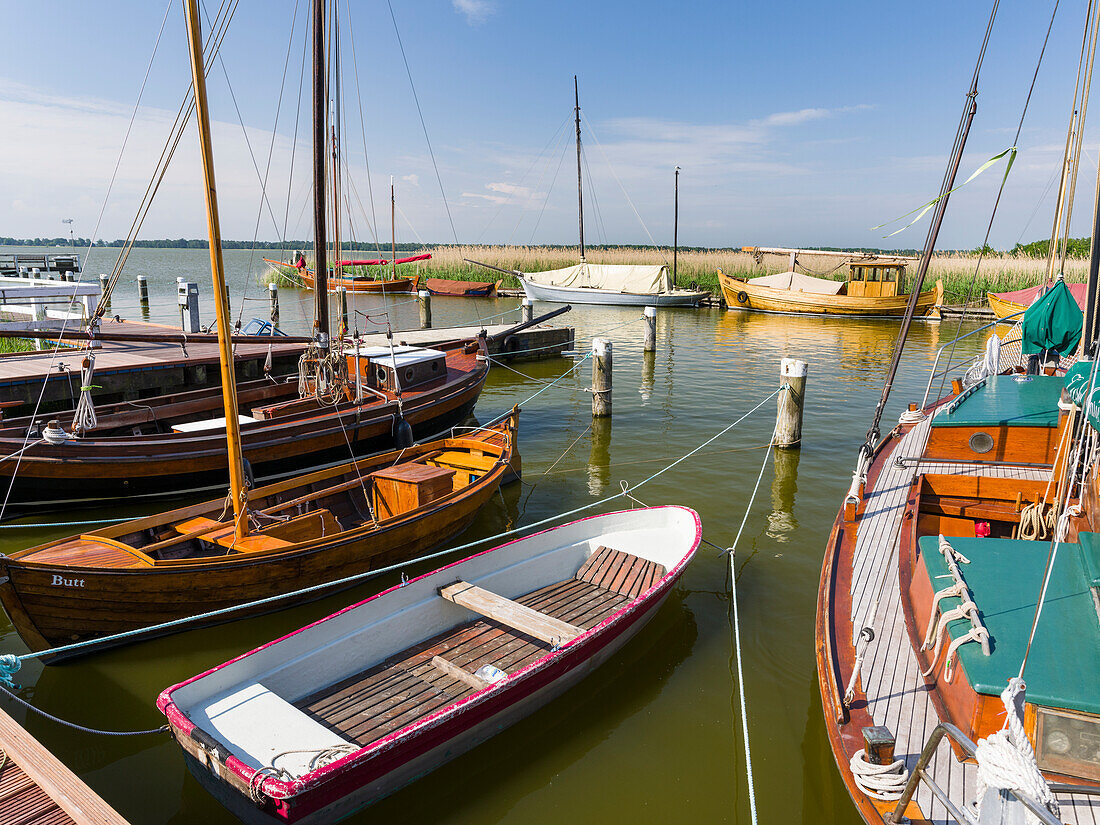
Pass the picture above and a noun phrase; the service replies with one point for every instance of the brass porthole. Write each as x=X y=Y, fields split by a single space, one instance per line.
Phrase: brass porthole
x=981 y=442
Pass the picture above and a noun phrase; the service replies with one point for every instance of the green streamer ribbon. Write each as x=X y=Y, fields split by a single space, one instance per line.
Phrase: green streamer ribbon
x=923 y=210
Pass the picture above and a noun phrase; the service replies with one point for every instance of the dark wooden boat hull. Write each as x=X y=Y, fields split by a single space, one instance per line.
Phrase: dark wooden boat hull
x=91 y=469
x=52 y=605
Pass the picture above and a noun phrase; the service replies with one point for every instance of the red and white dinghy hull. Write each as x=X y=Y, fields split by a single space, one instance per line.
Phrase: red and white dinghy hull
x=340 y=788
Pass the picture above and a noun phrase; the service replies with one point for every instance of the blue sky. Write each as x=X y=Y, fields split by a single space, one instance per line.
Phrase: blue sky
x=794 y=123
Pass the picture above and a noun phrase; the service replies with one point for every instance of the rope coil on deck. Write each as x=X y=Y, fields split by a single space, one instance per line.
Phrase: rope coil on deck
x=882 y=782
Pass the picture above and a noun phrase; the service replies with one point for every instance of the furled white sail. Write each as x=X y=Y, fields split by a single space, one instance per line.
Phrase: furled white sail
x=797 y=282
x=644 y=280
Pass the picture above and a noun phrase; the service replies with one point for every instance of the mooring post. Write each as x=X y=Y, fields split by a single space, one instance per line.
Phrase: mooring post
x=527 y=310
x=187 y=296
x=104 y=281
x=143 y=289
x=424 y=298
x=601 y=377
x=788 y=417
x=650 y=315
x=273 y=303
x=342 y=303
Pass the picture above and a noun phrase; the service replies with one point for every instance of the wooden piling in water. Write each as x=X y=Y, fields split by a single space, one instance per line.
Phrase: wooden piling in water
x=601 y=377
x=273 y=303
x=650 y=315
x=789 y=407
x=143 y=289
x=424 y=299
x=527 y=310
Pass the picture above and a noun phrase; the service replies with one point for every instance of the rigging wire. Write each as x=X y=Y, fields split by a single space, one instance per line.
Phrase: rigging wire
x=1000 y=192
x=508 y=198
x=423 y=125
x=561 y=141
x=373 y=225
x=611 y=168
x=546 y=200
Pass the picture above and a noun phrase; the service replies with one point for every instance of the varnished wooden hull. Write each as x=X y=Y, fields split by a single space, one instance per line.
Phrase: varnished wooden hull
x=1002 y=308
x=743 y=295
x=94 y=469
x=392 y=285
x=52 y=604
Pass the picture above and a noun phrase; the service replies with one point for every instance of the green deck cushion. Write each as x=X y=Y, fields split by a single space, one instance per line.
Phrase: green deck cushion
x=1090 y=557
x=1004 y=577
x=1004 y=400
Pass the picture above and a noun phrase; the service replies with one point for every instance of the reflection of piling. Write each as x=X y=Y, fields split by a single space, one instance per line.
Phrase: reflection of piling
x=601 y=377
x=599 y=457
x=788 y=420
x=143 y=290
x=649 y=363
x=650 y=316
x=342 y=303
x=424 y=298
x=781 y=521
x=273 y=303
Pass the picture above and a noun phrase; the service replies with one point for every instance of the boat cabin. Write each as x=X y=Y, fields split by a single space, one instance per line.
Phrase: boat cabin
x=876 y=277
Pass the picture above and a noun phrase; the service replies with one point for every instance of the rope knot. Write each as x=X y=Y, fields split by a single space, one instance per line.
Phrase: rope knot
x=9 y=666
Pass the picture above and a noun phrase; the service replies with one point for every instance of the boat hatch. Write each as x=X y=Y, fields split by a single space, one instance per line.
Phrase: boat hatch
x=1004 y=578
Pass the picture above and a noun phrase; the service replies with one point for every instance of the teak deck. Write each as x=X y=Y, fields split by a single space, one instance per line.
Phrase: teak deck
x=410 y=685
x=37 y=789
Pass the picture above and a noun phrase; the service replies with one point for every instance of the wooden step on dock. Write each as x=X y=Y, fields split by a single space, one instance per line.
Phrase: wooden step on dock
x=37 y=789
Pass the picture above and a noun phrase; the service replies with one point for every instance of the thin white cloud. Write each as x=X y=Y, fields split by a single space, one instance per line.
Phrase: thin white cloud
x=413 y=179
x=475 y=11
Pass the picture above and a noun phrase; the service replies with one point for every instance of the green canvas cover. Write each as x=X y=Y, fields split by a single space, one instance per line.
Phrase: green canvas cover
x=1077 y=387
x=1052 y=322
x=1005 y=577
x=1006 y=401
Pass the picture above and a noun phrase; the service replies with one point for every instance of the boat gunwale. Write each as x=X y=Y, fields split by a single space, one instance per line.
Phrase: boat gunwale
x=283 y=790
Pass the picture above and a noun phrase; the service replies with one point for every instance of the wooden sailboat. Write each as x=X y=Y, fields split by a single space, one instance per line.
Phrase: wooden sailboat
x=1006 y=304
x=257 y=543
x=957 y=632
x=173 y=444
x=329 y=718
x=305 y=531
x=875 y=288
x=610 y=284
x=358 y=283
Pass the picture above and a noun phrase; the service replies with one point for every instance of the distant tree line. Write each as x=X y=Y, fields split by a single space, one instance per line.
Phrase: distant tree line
x=1075 y=247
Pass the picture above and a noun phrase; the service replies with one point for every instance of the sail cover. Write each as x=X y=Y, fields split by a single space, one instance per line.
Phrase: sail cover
x=797 y=282
x=1052 y=322
x=643 y=280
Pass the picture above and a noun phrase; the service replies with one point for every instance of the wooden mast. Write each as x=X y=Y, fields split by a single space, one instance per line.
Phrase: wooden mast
x=320 y=242
x=221 y=296
x=580 y=194
x=675 y=224
x=393 y=231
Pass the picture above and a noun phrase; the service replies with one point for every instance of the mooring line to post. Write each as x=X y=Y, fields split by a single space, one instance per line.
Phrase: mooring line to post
x=732 y=551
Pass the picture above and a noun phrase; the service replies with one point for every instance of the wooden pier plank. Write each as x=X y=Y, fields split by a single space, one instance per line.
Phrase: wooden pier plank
x=68 y=799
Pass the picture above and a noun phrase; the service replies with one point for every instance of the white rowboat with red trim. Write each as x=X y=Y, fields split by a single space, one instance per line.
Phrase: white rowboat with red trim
x=337 y=715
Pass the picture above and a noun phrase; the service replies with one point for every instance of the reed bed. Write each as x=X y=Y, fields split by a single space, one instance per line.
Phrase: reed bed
x=999 y=272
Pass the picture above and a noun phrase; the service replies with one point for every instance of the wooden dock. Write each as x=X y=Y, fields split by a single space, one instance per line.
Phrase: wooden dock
x=128 y=371
x=37 y=789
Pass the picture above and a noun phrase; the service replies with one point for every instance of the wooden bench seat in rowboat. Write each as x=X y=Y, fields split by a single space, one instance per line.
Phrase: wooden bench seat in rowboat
x=308 y=526
x=513 y=614
x=463 y=461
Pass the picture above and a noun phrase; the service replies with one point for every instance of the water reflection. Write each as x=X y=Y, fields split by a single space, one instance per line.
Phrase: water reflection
x=781 y=520
x=649 y=363
x=599 y=457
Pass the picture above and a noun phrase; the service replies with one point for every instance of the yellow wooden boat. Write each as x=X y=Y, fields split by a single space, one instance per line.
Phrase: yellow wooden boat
x=874 y=288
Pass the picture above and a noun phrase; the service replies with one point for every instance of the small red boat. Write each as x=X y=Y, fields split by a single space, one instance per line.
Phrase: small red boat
x=332 y=717
x=461 y=289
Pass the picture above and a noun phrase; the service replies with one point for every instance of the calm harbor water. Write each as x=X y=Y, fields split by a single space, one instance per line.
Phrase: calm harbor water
x=654 y=735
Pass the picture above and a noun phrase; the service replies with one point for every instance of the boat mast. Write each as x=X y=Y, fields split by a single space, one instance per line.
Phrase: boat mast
x=320 y=109
x=393 y=231
x=1090 y=323
x=335 y=140
x=221 y=296
x=675 y=224
x=580 y=194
